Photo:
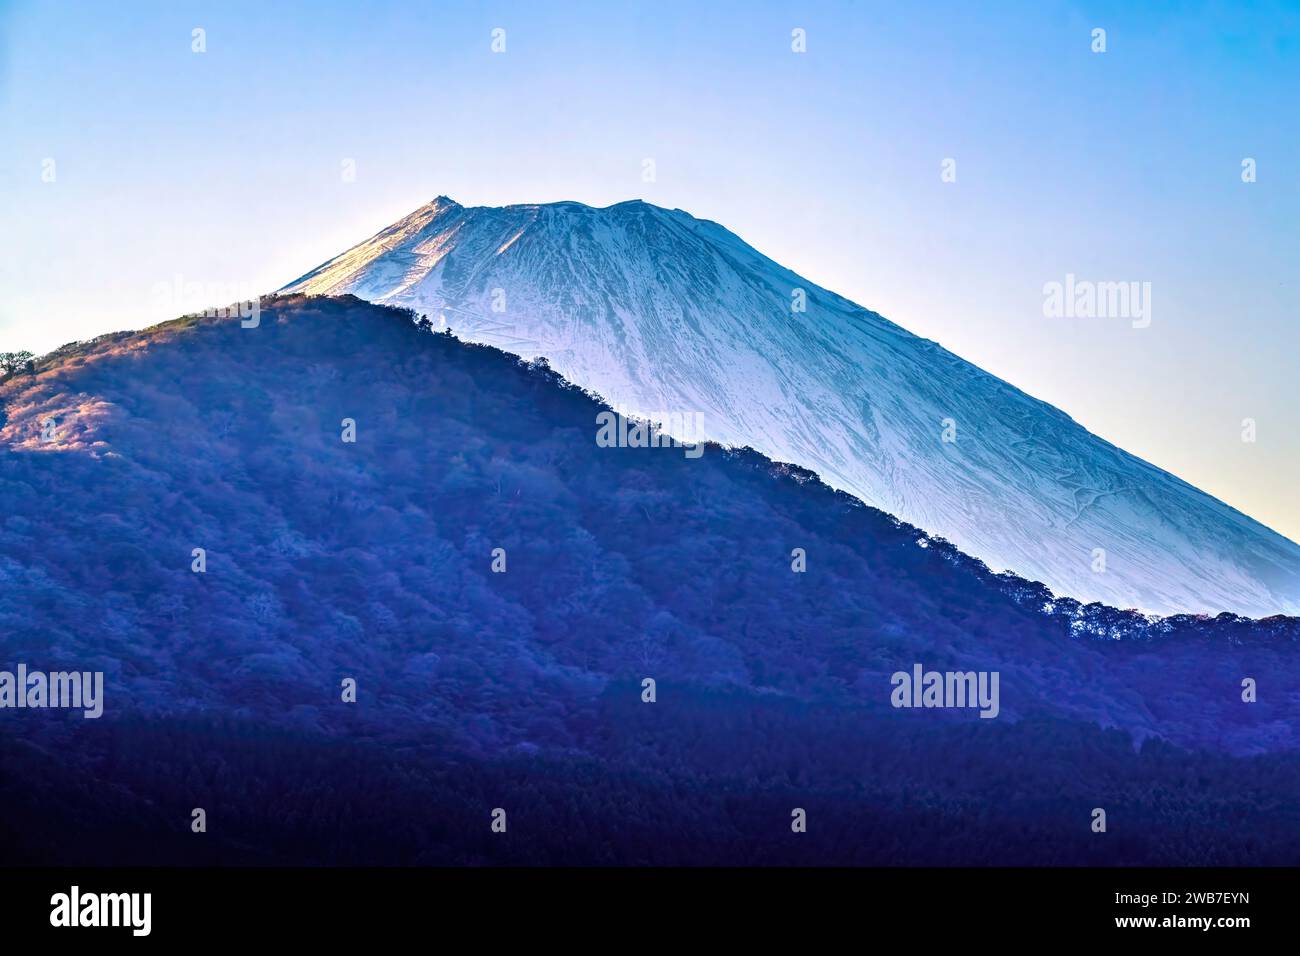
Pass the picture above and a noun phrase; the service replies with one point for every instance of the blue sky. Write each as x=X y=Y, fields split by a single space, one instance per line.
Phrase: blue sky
x=224 y=167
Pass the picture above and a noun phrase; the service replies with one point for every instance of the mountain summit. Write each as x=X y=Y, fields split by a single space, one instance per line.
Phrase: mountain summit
x=663 y=313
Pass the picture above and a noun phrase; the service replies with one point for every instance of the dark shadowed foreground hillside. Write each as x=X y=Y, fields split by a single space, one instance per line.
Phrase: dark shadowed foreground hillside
x=476 y=690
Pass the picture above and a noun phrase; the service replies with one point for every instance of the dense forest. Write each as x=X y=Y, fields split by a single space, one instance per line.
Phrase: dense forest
x=326 y=560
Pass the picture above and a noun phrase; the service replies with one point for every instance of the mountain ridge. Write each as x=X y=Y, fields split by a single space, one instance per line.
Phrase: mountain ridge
x=1125 y=623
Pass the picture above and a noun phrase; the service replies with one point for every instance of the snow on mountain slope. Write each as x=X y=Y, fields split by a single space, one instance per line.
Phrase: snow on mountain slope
x=660 y=312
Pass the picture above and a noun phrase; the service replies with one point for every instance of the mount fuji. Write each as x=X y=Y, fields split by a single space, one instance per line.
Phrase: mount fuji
x=661 y=313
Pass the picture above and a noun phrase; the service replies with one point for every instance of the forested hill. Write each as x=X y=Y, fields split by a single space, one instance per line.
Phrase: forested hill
x=372 y=560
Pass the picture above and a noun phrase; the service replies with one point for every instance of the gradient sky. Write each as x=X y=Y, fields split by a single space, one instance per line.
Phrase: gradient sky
x=224 y=167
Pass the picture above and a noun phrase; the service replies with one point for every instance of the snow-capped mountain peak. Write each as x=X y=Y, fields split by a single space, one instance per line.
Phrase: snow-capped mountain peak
x=660 y=312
